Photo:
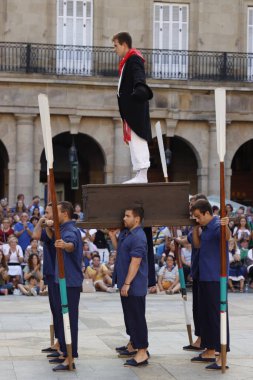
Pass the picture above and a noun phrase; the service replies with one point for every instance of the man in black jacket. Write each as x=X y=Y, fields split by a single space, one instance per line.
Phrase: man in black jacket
x=133 y=96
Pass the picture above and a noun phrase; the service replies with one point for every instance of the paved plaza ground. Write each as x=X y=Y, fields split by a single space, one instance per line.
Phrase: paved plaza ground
x=24 y=331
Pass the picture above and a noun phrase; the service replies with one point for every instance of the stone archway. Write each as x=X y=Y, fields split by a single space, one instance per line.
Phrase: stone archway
x=4 y=160
x=183 y=163
x=242 y=174
x=91 y=164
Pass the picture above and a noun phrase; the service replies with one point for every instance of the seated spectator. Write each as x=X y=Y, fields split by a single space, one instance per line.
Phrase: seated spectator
x=102 y=246
x=168 y=278
x=23 y=231
x=33 y=247
x=36 y=212
x=249 y=265
x=5 y=209
x=5 y=231
x=14 y=258
x=244 y=248
x=4 y=276
x=186 y=253
x=78 y=212
x=31 y=289
x=236 y=271
x=19 y=208
x=169 y=251
x=110 y=265
x=242 y=230
x=33 y=270
x=99 y=274
x=34 y=220
x=36 y=204
x=229 y=210
x=90 y=237
x=216 y=210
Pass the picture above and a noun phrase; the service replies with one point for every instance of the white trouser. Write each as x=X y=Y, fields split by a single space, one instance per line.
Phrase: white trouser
x=139 y=152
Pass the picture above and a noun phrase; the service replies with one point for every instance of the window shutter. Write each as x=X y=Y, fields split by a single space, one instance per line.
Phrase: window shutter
x=75 y=22
x=170 y=26
x=250 y=30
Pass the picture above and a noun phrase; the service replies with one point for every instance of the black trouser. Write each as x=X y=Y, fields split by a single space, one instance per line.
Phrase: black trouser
x=52 y=294
x=135 y=321
x=73 y=295
x=209 y=313
x=195 y=306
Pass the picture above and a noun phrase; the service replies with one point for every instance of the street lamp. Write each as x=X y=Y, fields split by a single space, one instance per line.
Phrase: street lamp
x=73 y=159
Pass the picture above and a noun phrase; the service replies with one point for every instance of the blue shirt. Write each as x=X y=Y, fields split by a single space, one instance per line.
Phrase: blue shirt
x=24 y=239
x=49 y=254
x=209 y=254
x=132 y=243
x=194 y=258
x=72 y=260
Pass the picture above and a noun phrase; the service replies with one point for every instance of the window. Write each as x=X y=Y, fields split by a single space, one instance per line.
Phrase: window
x=170 y=33
x=250 y=43
x=74 y=28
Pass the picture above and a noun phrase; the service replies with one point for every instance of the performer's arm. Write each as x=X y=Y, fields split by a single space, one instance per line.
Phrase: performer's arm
x=132 y=271
x=38 y=229
x=196 y=237
x=113 y=236
x=68 y=247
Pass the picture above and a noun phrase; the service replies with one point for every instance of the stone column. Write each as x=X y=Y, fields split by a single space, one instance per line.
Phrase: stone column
x=122 y=160
x=213 y=162
x=12 y=196
x=202 y=174
x=25 y=155
x=74 y=124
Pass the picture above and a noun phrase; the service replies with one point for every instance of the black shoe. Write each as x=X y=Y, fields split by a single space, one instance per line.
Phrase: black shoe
x=122 y=348
x=134 y=363
x=62 y=367
x=126 y=354
x=56 y=361
x=48 y=350
x=54 y=355
x=192 y=348
x=215 y=367
x=200 y=359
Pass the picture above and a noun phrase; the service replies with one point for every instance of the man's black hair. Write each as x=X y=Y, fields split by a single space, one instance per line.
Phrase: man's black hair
x=137 y=211
x=67 y=207
x=203 y=206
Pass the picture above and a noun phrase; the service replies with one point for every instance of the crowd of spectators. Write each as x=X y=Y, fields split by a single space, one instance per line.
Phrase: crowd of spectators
x=21 y=256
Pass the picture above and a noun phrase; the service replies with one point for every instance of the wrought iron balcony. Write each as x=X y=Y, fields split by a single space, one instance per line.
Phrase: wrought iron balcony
x=103 y=62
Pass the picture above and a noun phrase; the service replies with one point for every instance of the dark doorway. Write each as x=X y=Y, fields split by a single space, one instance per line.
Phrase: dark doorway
x=91 y=164
x=4 y=159
x=182 y=163
x=242 y=174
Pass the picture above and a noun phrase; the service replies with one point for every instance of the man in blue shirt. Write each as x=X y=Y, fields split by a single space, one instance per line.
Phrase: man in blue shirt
x=209 y=281
x=72 y=249
x=196 y=346
x=49 y=256
x=23 y=230
x=131 y=276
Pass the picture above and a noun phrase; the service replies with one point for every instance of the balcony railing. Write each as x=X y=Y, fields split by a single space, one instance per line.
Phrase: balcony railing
x=103 y=62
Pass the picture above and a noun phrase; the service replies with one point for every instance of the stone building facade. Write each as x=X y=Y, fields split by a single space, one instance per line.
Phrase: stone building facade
x=84 y=107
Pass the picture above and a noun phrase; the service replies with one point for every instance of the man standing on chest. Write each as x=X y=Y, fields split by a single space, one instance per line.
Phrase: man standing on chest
x=133 y=96
x=131 y=276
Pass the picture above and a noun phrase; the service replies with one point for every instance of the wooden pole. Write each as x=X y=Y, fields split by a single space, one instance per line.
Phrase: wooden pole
x=220 y=107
